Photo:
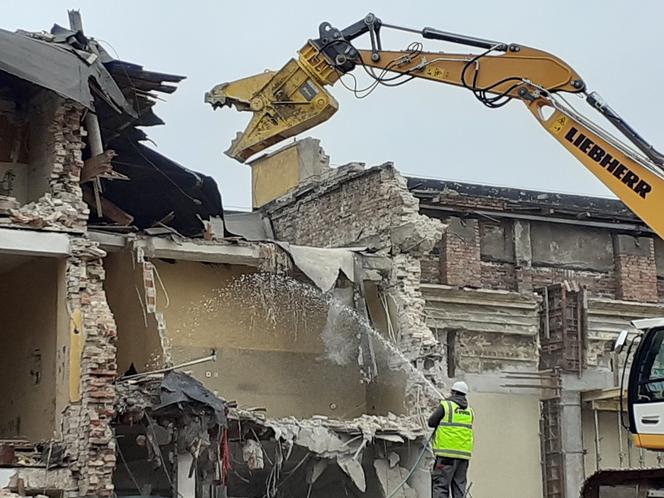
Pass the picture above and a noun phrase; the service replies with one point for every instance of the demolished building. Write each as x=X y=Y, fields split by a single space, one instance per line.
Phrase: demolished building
x=123 y=283
x=158 y=345
x=523 y=297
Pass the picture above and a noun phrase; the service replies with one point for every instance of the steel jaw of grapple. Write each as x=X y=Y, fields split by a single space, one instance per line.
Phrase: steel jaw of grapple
x=283 y=103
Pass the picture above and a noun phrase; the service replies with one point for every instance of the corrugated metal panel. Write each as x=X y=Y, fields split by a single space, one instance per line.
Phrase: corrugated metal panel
x=480 y=310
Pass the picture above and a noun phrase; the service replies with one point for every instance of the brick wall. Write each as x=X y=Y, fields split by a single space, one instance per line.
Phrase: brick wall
x=499 y=276
x=351 y=206
x=495 y=272
x=430 y=266
x=636 y=273
x=87 y=427
x=598 y=284
x=636 y=279
x=660 y=289
x=62 y=206
x=460 y=254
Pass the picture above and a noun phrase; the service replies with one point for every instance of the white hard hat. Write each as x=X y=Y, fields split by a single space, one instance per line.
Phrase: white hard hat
x=460 y=387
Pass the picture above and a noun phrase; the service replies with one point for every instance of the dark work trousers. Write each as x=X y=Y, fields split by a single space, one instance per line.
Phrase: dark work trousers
x=449 y=477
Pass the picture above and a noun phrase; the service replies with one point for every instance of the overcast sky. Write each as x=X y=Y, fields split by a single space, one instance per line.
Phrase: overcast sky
x=426 y=129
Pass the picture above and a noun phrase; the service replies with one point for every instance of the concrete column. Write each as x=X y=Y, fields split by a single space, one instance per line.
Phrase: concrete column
x=572 y=442
x=523 y=256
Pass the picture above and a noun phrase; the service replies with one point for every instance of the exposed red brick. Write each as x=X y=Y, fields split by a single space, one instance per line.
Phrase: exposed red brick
x=499 y=276
x=460 y=262
x=636 y=273
x=598 y=284
x=430 y=267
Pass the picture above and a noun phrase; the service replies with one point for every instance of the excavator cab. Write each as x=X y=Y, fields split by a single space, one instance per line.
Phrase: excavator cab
x=645 y=390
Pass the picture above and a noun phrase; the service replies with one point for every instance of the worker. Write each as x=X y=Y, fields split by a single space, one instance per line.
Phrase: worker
x=452 y=443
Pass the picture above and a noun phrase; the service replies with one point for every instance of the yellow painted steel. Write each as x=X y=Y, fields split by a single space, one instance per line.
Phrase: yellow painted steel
x=293 y=99
x=646 y=195
x=653 y=442
x=542 y=68
x=283 y=103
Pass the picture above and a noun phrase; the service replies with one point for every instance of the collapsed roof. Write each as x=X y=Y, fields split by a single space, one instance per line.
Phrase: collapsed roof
x=122 y=94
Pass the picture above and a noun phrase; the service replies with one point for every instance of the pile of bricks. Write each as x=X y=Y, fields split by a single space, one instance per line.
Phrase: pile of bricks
x=62 y=207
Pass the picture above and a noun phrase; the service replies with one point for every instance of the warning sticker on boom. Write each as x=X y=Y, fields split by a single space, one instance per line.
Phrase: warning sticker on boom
x=308 y=90
x=558 y=124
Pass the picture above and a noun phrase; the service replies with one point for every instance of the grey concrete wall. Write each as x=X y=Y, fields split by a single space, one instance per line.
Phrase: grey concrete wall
x=496 y=241
x=571 y=247
x=631 y=246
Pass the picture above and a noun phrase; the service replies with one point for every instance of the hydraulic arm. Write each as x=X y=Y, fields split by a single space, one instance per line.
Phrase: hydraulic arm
x=294 y=99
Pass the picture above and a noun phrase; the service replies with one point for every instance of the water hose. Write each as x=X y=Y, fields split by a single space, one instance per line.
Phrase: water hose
x=412 y=470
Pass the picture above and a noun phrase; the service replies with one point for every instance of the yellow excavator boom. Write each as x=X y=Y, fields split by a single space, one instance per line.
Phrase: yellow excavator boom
x=294 y=99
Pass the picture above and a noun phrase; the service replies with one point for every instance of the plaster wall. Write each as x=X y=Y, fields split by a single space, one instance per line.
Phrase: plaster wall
x=266 y=333
x=506 y=459
x=567 y=246
x=28 y=345
x=138 y=339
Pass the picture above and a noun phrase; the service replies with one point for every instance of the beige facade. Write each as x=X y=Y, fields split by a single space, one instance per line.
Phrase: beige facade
x=267 y=336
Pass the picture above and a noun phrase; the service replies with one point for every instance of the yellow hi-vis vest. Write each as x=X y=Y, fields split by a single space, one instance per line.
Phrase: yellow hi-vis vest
x=454 y=434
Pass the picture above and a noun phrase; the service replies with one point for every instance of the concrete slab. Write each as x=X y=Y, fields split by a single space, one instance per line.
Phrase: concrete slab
x=33 y=243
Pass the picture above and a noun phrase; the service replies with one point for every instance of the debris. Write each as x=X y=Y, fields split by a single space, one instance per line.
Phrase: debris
x=315 y=469
x=109 y=209
x=49 y=212
x=7 y=204
x=390 y=477
x=100 y=166
x=252 y=454
x=354 y=470
x=322 y=265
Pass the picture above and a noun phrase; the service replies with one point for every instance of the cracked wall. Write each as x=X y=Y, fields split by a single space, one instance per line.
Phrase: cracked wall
x=79 y=360
x=372 y=208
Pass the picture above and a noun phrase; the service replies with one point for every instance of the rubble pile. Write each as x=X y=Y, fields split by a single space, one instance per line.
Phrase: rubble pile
x=62 y=206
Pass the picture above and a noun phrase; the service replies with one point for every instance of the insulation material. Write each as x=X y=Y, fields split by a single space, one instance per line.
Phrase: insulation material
x=252 y=454
x=322 y=265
